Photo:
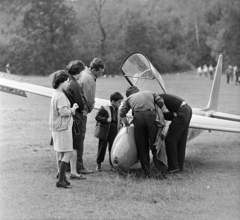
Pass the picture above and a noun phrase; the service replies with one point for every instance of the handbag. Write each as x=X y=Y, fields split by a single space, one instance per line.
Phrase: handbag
x=101 y=131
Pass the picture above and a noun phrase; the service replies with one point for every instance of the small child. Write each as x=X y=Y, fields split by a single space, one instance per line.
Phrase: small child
x=107 y=127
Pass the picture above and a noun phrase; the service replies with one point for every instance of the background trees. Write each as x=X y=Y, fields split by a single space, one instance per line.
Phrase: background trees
x=41 y=36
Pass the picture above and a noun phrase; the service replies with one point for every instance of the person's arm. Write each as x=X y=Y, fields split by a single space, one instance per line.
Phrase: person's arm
x=62 y=106
x=160 y=102
x=88 y=86
x=123 y=112
x=125 y=121
x=73 y=93
x=102 y=116
x=168 y=116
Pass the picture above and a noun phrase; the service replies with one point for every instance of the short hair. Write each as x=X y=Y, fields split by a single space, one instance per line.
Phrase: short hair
x=116 y=96
x=131 y=90
x=97 y=64
x=59 y=77
x=75 y=67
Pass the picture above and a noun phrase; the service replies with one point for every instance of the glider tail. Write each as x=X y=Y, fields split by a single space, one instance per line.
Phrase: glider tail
x=214 y=96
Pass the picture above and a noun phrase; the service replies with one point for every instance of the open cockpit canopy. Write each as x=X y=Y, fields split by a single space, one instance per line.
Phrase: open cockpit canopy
x=139 y=72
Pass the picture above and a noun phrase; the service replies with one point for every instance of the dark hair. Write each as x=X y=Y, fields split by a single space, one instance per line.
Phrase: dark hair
x=131 y=90
x=75 y=67
x=59 y=77
x=97 y=64
x=116 y=96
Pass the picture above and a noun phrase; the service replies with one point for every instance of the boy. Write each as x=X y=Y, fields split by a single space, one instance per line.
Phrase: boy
x=108 y=124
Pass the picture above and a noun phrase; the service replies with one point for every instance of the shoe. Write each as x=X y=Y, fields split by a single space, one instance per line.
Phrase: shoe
x=85 y=171
x=68 y=183
x=161 y=176
x=62 y=185
x=98 y=168
x=74 y=177
x=176 y=171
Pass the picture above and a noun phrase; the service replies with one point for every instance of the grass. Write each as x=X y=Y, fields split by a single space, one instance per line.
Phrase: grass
x=208 y=189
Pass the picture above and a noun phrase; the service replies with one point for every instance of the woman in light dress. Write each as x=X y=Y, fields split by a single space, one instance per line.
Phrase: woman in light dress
x=60 y=122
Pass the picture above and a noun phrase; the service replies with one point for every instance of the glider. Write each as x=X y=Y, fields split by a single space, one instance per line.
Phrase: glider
x=139 y=71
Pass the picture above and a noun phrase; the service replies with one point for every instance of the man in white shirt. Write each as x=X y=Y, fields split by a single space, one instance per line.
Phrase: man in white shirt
x=87 y=82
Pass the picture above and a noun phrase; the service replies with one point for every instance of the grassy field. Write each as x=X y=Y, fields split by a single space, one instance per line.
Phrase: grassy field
x=208 y=189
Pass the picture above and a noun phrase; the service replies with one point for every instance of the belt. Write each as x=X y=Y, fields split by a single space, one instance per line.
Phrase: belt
x=150 y=109
x=183 y=103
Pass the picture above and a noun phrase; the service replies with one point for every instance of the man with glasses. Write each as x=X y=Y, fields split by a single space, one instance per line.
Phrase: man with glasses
x=87 y=82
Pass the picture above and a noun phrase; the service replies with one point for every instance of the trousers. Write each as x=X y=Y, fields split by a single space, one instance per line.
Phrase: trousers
x=102 y=144
x=176 y=138
x=145 y=131
x=78 y=140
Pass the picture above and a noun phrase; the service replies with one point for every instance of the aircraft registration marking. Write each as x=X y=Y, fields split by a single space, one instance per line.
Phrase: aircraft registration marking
x=13 y=91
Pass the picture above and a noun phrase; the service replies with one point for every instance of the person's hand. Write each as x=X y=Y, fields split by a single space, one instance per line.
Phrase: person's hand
x=75 y=106
x=109 y=120
x=85 y=112
x=174 y=114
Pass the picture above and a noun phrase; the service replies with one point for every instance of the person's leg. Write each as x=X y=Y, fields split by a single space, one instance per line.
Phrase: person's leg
x=150 y=120
x=111 y=137
x=142 y=143
x=183 y=141
x=59 y=156
x=80 y=164
x=63 y=166
x=73 y=163
x=102 y=146
x=172 y=139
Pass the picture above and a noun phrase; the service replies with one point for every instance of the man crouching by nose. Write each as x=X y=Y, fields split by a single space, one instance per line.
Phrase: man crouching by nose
x=145 y=126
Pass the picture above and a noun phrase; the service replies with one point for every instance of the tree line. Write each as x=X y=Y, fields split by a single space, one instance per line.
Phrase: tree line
x=41 y=36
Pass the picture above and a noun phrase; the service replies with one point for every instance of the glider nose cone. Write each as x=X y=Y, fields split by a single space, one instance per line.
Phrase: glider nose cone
x=124 y=151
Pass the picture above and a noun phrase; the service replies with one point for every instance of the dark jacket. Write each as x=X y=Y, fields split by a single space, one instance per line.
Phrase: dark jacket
x=73 y=93
x=102 y=126
x=172 y=103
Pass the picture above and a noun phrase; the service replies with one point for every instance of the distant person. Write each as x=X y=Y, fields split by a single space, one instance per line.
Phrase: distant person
x=144 y=120
x=74 y=94
x=60 y=122
x=107 y=127
x=237 y=76
x=229 y=73
x=199 y=70
x=87 y=82
x=176 y=137
x=205 y=70
x=8 y=68
x=211 y=71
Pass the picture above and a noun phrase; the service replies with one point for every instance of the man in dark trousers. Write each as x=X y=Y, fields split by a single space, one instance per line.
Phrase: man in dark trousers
x=145 y=126
x=176 y=137
x=74 y=94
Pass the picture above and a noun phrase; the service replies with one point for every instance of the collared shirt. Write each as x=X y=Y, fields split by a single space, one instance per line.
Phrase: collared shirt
x=87 y=82
x=141 y=101
x=74 y=94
